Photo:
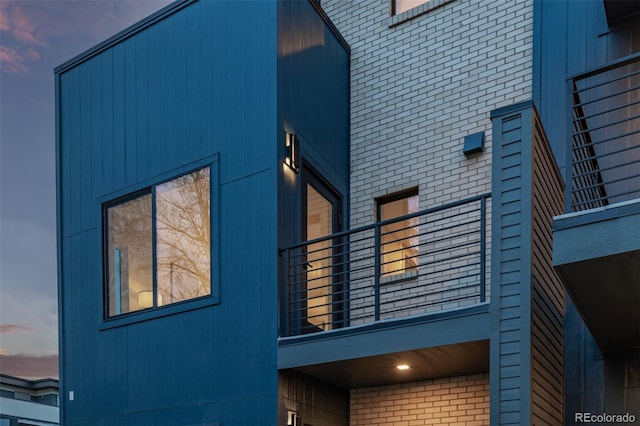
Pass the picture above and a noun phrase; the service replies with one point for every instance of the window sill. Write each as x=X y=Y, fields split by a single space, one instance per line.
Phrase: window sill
x=416 y=11
x=398 y=278
x=150 y=314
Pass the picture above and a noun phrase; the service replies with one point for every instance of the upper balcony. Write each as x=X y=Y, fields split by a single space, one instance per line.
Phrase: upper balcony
x=597 y=242
x=414 y=285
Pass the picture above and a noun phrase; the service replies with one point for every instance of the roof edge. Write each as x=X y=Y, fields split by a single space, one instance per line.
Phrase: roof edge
x=316 y=5
x=37 y=384
x=123 y=35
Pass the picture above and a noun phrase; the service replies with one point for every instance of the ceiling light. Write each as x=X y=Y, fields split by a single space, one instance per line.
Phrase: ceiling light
x=402 y=367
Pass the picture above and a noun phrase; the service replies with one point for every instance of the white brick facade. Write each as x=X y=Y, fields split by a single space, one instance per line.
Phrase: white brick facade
x=419 y=87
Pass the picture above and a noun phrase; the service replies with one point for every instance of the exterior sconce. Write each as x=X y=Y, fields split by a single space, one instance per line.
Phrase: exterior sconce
x=293 y=418
x=292 y=154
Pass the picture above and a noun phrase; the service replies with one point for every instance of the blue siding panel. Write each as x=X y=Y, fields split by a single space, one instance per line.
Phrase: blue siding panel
x=313 y=71
x=201 y=81
x=508 y=385
x=572 y=37
x=527 y=302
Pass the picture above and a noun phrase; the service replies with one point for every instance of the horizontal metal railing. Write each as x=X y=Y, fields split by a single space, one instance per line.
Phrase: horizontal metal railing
x=423 y=262
x=605 y=135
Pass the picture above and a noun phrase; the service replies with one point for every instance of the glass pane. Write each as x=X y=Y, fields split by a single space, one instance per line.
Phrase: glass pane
x=129 y=256
x=404 y=5
x=399 y=239
x=183 y=249
x=319 y=224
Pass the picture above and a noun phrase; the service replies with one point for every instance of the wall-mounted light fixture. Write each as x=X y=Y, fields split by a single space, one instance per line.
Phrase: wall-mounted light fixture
x=292 y=153
x=293 y=419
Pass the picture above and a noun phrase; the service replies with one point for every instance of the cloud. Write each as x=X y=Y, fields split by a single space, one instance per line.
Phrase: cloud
x=12 y=61
x=17 y=23
x=29 y=366
x=4 y=20
x=12 y=328
x=20 y=32
x=29 y=28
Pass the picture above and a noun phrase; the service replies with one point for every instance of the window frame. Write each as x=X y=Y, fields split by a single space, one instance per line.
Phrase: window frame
x=393 y=5
x=386 y=199
x=409 y=14
x=141 y=189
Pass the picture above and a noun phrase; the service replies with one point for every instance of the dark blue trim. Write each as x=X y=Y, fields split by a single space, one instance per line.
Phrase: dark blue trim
x=145 y=184
x=494 y=302
x=387 y=324
x=331 y=26
x=154 y=254
x=393 y=220
x=483 y=250
x=159 y=312
x=62 y=398
x=526 y=243
x=511 y=108
x=145 y=187
x=607 y=67
x=391 y=336
x=586 y=217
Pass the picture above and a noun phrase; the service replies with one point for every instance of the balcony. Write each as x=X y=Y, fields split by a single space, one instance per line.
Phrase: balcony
x=403 y=285
x=597 y=242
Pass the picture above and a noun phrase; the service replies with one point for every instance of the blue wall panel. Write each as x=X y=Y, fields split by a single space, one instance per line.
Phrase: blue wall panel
x=313 y=74
x=198 y=82
x=572 y=37
x=510 y=280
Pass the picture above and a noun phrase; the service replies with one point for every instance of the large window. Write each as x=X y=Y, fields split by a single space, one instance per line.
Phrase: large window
x=158 y=245
x=399 y=239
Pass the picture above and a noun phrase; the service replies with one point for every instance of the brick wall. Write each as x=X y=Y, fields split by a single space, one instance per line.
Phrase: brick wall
x=462 y=401
x=420 y=86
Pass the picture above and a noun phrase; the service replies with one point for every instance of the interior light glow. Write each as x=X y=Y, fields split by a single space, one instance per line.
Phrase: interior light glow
x=402 y=367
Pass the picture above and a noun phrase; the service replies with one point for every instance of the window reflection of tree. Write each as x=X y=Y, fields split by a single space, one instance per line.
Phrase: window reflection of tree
x=183 y=238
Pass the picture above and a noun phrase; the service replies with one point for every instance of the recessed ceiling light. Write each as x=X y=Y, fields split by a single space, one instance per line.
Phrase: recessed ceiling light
x=402 y=367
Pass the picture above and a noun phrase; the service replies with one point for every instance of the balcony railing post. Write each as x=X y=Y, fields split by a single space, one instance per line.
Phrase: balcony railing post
x=571 y=86
x=285 y=297
x=376 y=278
x=483 y=248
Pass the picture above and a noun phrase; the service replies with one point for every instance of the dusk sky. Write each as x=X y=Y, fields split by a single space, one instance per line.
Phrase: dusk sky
x=35 y=37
